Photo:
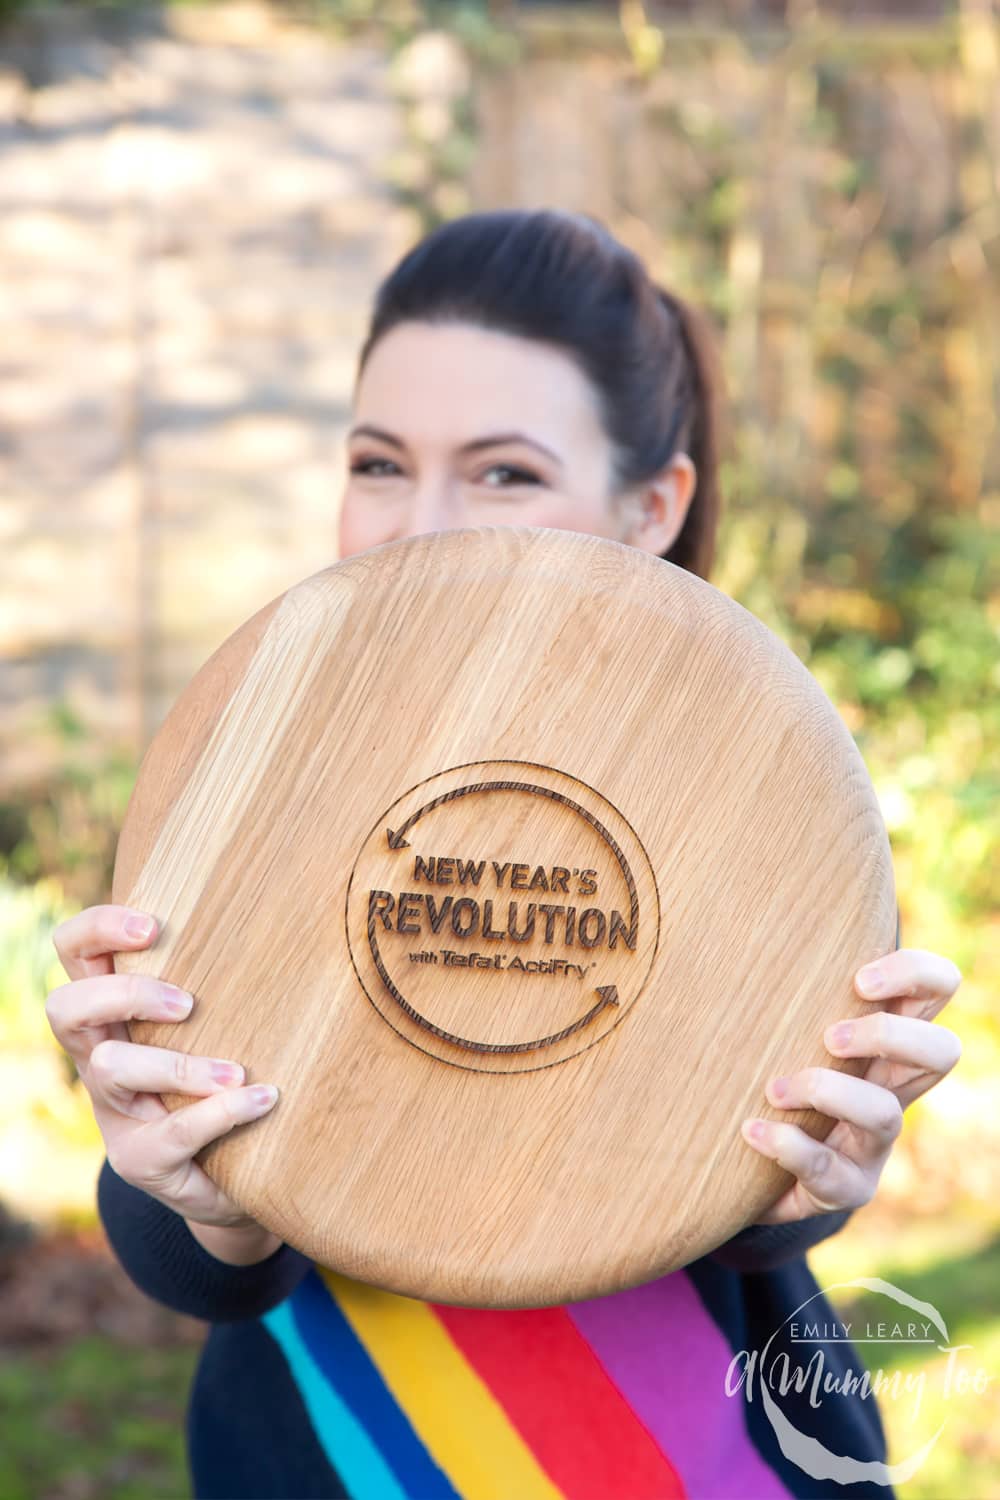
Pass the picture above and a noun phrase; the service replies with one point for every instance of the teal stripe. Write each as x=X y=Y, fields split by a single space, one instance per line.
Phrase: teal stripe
x=347 y=1445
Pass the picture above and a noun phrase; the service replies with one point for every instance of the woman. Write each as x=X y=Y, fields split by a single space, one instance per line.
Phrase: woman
x=520 y=368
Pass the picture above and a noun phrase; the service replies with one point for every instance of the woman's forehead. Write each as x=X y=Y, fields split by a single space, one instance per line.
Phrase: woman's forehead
x=455 y=381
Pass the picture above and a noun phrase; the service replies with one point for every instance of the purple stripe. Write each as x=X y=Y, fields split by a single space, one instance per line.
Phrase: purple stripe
x=666 y=1355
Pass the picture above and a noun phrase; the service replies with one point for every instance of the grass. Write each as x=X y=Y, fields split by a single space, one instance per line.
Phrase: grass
x=94 y=1420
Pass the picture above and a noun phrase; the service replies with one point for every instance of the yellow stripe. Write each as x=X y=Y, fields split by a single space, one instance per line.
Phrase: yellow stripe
x=456 y=1415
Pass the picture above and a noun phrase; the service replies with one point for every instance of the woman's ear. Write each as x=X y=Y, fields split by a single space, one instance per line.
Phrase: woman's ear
x=654 y=512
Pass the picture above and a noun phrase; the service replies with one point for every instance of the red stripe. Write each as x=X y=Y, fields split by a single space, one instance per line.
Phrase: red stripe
x=557 y=1395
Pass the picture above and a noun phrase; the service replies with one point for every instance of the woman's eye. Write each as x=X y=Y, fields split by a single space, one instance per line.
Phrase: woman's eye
x=366 y=465
x=382 y=467
x=520 y=476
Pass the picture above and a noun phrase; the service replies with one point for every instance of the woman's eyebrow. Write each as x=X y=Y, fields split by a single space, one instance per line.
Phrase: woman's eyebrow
x=367 y=430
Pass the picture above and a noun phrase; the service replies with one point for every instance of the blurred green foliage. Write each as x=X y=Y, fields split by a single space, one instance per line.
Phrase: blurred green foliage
x=67 y=827
x=29 y=965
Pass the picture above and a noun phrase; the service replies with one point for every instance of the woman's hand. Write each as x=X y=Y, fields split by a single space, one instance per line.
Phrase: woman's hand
x=909 y=1056
x=147 y=1144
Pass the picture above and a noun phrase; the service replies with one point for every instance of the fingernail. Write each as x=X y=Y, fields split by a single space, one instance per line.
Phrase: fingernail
x=263 y=1096
x=779 y=1086
x=755 y=1129
x=177 y=1000
x=841 y=1034
x=226 y=1072
x=871 y=981
x=139 y=927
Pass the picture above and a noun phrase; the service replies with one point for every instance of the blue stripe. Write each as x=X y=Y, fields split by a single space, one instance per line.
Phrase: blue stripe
x=351 y=1371
x=348 y=1447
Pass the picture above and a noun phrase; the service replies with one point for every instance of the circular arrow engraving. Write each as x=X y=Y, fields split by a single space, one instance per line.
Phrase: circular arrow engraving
x=423 y=1005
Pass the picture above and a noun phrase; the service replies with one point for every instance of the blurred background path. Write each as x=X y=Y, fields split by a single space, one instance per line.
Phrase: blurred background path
x=193 y=216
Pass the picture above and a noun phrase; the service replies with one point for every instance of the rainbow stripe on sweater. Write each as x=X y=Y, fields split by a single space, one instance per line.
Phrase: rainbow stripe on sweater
x=619 y=1396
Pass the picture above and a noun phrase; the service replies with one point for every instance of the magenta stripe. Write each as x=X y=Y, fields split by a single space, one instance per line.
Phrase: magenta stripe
x=666 y=1355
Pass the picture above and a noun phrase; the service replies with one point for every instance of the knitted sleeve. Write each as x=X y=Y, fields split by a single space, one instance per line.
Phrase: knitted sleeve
x=163 y=1258
x=762 y=1247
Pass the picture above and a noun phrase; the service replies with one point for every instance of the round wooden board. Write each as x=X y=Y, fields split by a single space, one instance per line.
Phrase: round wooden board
x=520 y=860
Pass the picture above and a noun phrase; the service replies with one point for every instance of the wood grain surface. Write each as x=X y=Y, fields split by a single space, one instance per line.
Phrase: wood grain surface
x=519 y=860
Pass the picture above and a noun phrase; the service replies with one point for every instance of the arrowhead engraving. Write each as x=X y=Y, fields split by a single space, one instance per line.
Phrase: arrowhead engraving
x=396 y=840
x=608 y=993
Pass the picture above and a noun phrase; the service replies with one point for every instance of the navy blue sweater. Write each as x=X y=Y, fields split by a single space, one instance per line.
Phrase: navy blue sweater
x=287 y=1394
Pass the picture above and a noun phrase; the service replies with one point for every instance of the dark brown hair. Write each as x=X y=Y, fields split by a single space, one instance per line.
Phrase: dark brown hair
x=565 y=279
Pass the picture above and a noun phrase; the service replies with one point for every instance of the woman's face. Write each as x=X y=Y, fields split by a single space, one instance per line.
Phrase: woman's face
x=456 y=425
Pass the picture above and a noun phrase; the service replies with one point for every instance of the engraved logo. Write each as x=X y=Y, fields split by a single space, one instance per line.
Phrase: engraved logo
x=502 y=916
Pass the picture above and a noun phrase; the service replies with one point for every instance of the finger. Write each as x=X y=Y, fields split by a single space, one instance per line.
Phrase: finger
x=86 y=941
x=924 y=981
x=109 y=1113
x=874 y=1112
x=81 y=1012
x=159 y=1155
x=790 y=1207
x=123 y=1074
x=924 y=1049
x=194 y=1195
x=827 y=1179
